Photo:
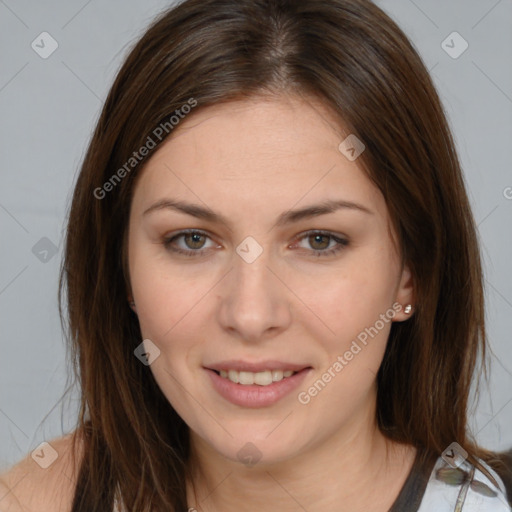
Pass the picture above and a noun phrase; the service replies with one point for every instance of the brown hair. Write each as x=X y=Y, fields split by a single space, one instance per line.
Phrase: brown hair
x=355 y=59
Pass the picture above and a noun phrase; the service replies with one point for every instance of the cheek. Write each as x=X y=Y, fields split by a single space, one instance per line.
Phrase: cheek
x=166 y=307
x=357 y=316
x=163 y=298
x=341 y=301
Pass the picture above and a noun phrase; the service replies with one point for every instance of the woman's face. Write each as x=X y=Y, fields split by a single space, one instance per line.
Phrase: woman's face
x=259 y=287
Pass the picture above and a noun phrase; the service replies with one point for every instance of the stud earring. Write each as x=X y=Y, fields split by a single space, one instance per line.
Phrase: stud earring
x=407 y=309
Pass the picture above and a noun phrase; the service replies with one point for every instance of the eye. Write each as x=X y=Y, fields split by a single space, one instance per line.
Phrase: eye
x=324 y=243
x=194 y=242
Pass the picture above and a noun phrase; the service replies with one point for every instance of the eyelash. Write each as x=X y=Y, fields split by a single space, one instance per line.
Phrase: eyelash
x=342 y=243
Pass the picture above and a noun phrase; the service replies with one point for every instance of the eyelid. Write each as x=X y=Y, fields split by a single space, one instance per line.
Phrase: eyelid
x=324 y=232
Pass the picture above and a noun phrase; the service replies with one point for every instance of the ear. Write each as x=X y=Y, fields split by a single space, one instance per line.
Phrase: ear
x=131 y=303
x=405 y=295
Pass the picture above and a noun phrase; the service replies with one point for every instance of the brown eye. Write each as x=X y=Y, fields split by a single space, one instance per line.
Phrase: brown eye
x=316 y=241
x=193 y=240
x=320 y=243
x=193 y=243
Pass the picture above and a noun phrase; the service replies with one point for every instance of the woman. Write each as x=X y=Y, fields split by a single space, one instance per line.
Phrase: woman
x=273 y=279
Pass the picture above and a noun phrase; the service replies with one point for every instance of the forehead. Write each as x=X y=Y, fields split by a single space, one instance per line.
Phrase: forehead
x=254 y=153
x=259 y=129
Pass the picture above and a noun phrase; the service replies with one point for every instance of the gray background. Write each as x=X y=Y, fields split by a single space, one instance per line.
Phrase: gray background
x=48 y=110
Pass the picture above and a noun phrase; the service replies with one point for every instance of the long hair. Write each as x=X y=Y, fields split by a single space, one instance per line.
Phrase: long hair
x=357 y=61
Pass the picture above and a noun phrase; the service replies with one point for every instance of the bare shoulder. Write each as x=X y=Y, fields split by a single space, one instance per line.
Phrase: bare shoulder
x=44 y=480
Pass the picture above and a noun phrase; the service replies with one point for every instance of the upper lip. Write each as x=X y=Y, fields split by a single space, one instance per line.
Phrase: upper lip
x=246 y=366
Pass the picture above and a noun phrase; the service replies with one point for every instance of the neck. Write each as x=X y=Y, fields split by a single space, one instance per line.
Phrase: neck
x=359 y=467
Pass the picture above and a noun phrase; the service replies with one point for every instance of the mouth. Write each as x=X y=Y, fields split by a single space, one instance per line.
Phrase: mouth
x=254 y=389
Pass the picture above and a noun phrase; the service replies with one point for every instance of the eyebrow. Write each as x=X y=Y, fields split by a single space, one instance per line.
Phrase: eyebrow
x=287 y=217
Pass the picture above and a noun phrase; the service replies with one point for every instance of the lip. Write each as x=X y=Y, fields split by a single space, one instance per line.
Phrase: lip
x=246 y=366
x=255 y=396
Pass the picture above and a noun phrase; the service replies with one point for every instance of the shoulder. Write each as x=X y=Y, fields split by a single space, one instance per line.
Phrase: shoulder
x=44 y=480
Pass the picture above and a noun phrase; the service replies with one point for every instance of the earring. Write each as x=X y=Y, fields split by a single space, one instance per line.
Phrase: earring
x=407 y=309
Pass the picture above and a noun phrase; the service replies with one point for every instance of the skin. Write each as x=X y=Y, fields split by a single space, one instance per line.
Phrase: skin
x=27 y=487
x=251 y=161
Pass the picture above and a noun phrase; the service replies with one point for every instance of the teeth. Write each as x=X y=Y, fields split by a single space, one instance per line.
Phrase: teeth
x=263 y=378
x=260 y=378
x=245 y=378
x=277 y=375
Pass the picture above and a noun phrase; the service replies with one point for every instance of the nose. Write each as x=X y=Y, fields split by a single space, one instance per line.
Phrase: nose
x=255 y=304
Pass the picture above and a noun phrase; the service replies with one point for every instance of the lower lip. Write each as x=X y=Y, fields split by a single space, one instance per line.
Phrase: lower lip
x=255 y=396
